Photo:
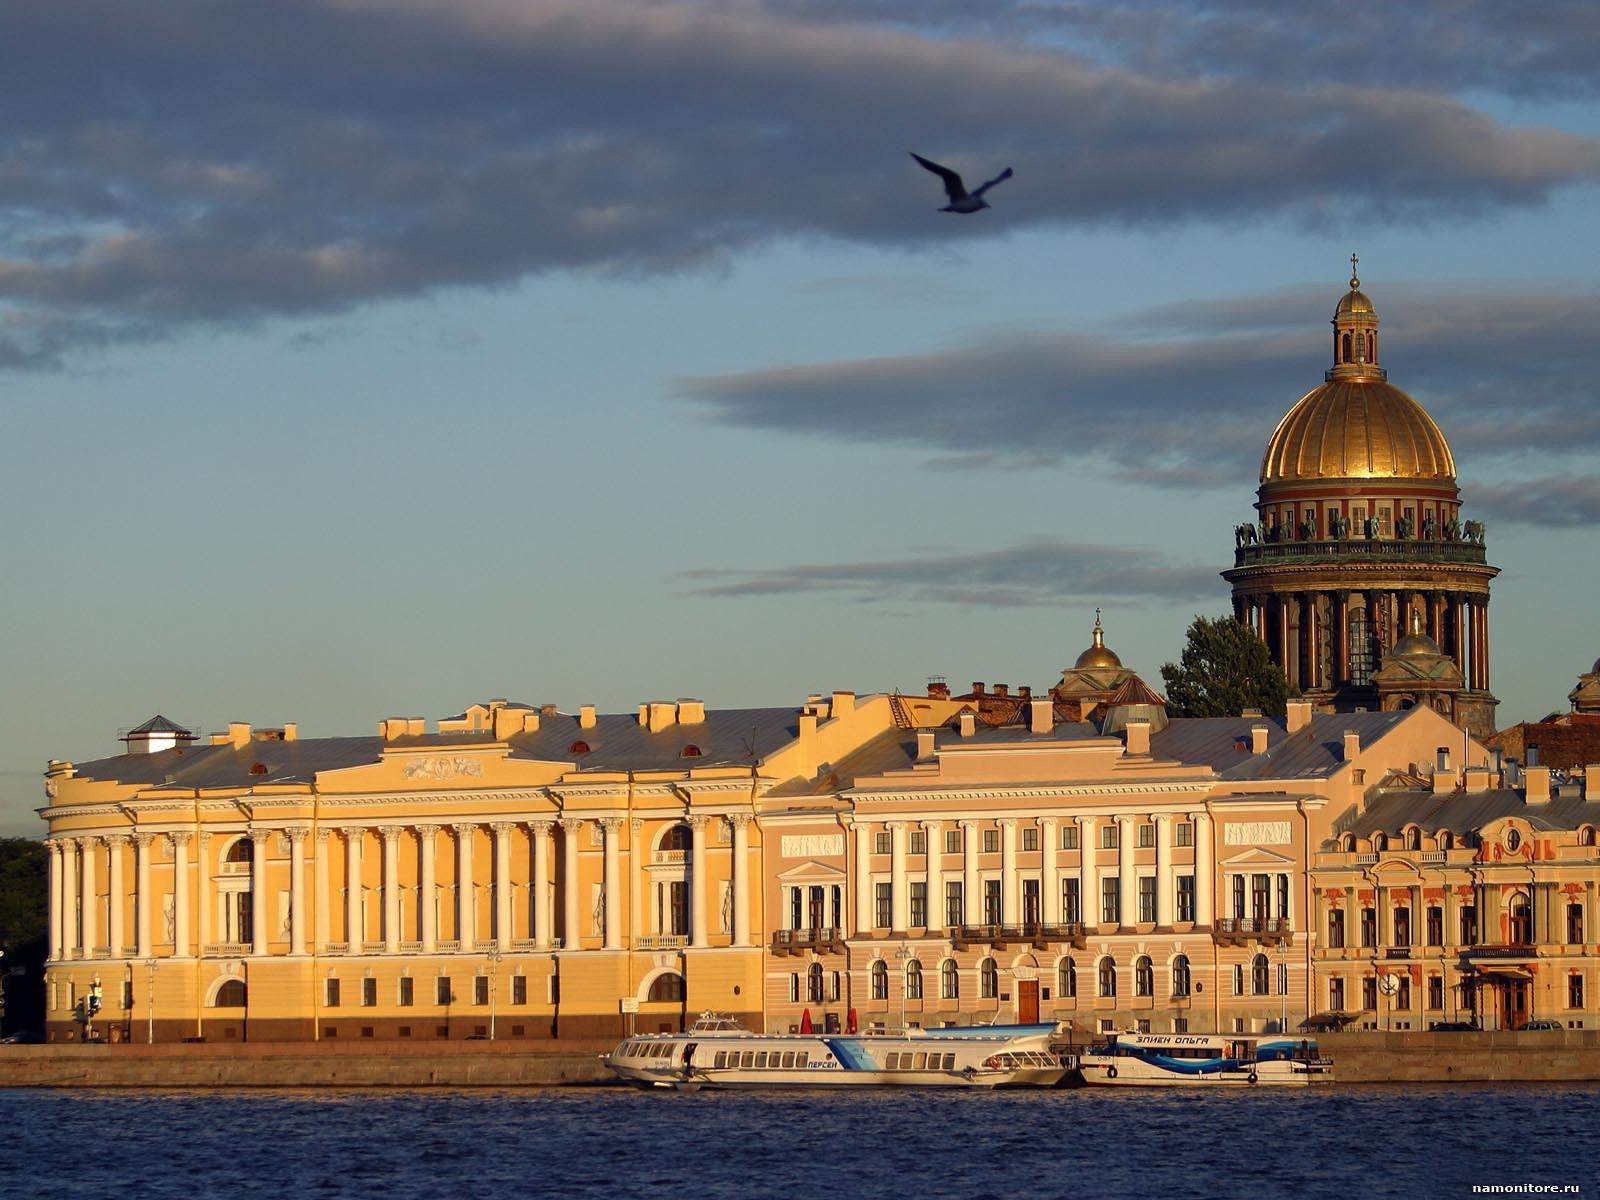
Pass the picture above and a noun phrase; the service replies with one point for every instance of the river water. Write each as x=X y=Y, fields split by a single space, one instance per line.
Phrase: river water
x=1413 y=1142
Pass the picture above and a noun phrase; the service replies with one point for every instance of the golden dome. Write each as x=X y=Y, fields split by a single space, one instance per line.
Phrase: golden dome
x=1416 y=645
x=1098 y=657
x=1359 y=428
x=1355 y=302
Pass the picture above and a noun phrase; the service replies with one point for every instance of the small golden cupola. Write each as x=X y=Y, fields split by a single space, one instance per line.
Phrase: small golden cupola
x=1099 y=656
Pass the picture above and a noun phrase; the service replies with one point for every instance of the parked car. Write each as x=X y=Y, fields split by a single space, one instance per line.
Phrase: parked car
x=1542 y=1026
x=1454 y=1027
x=26 y=1038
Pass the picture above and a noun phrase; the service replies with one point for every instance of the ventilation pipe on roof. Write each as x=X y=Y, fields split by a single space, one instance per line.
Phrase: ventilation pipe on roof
x=238 y=733
x=1137 y=732
x=691 y=712
x=1477 y=779
x=658 y=715
x=1258 y=739
x=291 y=732
x=1352 y=745
x=843 y=702
x=586 y=717
x=1299 y=715
x=1444 y=780
x=967 y=723
x=1591 y=783
x=1041 y=715
x=1536 y=785
x=925 y=740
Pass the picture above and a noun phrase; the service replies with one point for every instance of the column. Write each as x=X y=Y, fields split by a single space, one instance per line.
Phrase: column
x=1204 y=856
x=88 y=880
x=1164 y=884
x=428 y=889
x=1008 y=871
x=466 y=889
x=320 y=892
x=1341 y=631
x=613 y=883
x=1127 y=876
x=636 y=893
x=1286 y=655
x=864 y=914
x=297 y=889
x=572 y=933
x=53 y=848
x=1049 y=877
x=69 y=897
x=391 y=888
x=971 y=891
x=899 y=888
x=117 y=845
x=180 y=895
x=697 y=881
x=260 y=840
x=1088 y=883
x=1483 y=622
x=741 y=878
x=1375 y=625
x=539 y=848
x=355 y=934
x=202 y=886
x=144 y=898
x=502 y=883
x=933 y=872
x=1459 y=625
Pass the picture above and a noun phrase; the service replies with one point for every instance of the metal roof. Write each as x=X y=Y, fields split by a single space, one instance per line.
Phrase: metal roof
x=1463 y=812
x=1313 y=752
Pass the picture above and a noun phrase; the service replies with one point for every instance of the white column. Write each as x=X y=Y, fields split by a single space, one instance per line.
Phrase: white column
x=180 y=895
x=539 y=848
x=69 y=897
x=297 y=890
x=933 y=873
x=1050 y=879
x=91 y=898
x=145 y=896
x=899 y=888
x=502 y=884
x=698 y=881
x=1008 y=871
x=612 y=887
x=117 y=845
x=53 y=848
x=741 y=878
x=637 y=889
x=1127 y=875
x=1088 y=877
x=971 y=889
x=355 y=933
x=320 y=893
x=428 y=889
x=865 y=917
x=1204 y=855
x=260 y=840
x=1164 y=884
x=202 y=887
x=466 y=895
x=572 y=934
x=391 y=888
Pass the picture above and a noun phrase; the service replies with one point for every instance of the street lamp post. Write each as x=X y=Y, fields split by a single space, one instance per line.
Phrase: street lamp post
x=1283 y=985
x=494 y=981
x=150 y=965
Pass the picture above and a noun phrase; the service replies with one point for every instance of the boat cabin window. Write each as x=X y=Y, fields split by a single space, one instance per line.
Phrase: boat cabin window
x=721 y=1060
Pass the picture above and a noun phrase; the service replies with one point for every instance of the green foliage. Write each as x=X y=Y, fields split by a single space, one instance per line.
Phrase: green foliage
x=24 y=917
x=1224 y=670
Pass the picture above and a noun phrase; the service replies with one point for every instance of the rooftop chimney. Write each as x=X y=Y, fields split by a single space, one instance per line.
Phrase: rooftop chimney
x=1536 y=785
x=657 y=715
x=1591 y=783
x=1477 y=779
x=1137 y=732
x=1002 y=689
x=1352 y=745
x=1299 y=715
x=1444 y=780
x=691 y=712
x=843 y=702
x=586 y=717
x=1258 y=739
x=967 y=723
x=1041 y=715
x=291 y=731
x=977 y=687
x=925 y=739
x=239 y=733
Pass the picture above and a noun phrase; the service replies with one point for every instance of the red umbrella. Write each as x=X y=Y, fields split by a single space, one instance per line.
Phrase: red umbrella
x=805 y=1021
x=850 y=1021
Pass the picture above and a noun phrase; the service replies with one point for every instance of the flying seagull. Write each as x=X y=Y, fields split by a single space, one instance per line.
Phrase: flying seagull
x=961 y=200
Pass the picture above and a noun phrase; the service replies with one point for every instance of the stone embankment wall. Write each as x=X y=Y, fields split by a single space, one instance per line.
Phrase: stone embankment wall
x=1570 y=1055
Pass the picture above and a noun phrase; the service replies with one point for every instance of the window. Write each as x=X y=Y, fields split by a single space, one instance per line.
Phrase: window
x=1238 y=896
x=666 y=989
x=1030 y=838
x=1147 y=836
x=1185 y=833
x=1186 y=898
x=883 y=904
x=949 y=980
x=1069 y=838
x=880 y=980
x=991 y=841
x=1574 y=991
x=1067 y=979
x=952 y=902
x=1336 y=929
x=1369 y=993
x=127 y=993
x=814 y=983
x=441 y=990
x=919 y=842
x=1380 y=843
x=837 y=896
x=882 y=842
x=330 y=993
x=1336 y=994
x=1521 y=921
x=816 y=898
x=1238 y=979
x=794 y=988
x=1144 y=977
x=1261 y=897
x=519 y=989
x=913 y=980
x=1283 y=897
x=988 y=979
x=1181 y=978
x=1108 y=976
x=1574 y=924
x=919 y=905
x=1110 y=901
x=1402 y=927
x=407 y=994
x=1469 y=925
x=991 y=902
x=1435 y=926
x=480 y=989
x=1070 y=912
x=1369 y=928
x=1108 y=836
x=952 y=841
x=1147 y=899
x=369 y=993
x=1402 y=996
x=1435 y=991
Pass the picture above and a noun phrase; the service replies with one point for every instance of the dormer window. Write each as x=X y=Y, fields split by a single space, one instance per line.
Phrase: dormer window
x=690 y=751
x=578 y=747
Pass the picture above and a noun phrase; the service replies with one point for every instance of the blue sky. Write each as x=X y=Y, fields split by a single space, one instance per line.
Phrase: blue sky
x=370 y=358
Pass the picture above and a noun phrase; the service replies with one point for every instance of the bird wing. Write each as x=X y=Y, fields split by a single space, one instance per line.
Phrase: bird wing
x=1000 y=178
x=953 y=187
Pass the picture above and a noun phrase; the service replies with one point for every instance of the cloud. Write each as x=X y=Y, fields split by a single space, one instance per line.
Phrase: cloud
x=1562 y=501
x=219 y=161
x=1185 y=396
x=1040 y=572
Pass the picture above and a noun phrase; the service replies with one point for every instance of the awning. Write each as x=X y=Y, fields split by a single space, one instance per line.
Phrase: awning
x=1505 y=972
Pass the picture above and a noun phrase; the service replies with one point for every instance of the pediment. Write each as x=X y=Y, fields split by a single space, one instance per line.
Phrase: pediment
x=1257 y=857
x=812 y=871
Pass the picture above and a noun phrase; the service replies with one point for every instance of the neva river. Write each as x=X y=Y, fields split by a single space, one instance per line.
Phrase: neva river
x=1414 y=1142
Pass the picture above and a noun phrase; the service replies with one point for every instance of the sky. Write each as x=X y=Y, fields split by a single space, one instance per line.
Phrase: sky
x=368 y=358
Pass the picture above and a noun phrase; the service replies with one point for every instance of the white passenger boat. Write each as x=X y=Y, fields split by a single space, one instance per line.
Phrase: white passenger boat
x=717 y=1052
x=1203 y=1060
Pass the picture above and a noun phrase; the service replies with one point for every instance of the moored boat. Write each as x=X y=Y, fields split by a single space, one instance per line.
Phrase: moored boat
x=1203 y=1060
x=718 y=1052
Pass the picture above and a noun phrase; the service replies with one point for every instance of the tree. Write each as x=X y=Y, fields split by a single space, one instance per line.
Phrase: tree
x=1224 y=670
x=23 y=935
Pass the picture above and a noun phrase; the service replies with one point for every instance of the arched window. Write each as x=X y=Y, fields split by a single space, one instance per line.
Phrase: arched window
x=814 y=983
x=913 y=980
x=1144 y=977
x=949 y=981
x=1108 y=976
x=1413 y=838
x=1067 y=980
x=1260 y=976
x=988 y=979
x=1372 y=347
x=242 y=851
x=1349 y=843
x=677 y=838
x=1586 y=838
x=880 y=980
x=1180 y=975
x=1445 y=840
x=667 y=989
x=230 y=994
x=1346 y=342
x=1380 y=843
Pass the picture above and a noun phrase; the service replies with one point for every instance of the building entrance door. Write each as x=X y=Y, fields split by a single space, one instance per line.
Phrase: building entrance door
x=1028 y=1001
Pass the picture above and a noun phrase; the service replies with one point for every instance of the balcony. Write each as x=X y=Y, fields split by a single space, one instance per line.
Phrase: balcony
x=663 y=941
x=665 y=857
x=798 y=941
x=1238 y=930
x=1032 y=933
x=1358 y=550
x=1397 y=952
x=226 y=949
